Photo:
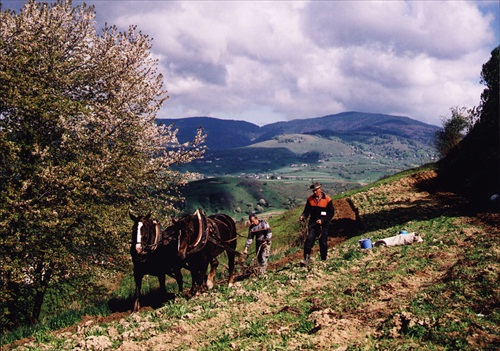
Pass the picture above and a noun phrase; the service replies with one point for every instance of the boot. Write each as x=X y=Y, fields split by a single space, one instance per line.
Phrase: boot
x=323 y=250
x=323 y=255
x=305 y=261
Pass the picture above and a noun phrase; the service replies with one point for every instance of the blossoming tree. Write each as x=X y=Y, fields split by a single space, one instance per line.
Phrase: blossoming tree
x=79 y=147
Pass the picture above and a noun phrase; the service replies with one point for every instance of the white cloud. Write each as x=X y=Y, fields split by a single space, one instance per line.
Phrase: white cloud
x=437 y=28
x=265 y=61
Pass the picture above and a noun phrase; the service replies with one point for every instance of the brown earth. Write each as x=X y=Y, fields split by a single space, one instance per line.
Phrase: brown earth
x=344 y=221
x=414 y=197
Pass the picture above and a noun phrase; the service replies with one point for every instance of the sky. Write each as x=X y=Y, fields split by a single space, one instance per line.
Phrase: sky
x=270 y=61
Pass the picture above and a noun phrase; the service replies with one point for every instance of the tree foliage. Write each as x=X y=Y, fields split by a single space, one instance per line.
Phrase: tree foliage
x=453 y=130
x=472 y=167
x=79 y=146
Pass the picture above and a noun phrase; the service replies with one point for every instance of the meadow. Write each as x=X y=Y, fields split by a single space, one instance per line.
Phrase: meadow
x=439 y=294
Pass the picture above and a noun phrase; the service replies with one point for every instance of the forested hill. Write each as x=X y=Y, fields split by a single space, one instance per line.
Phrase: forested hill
x=229 y=134
x=221 y=134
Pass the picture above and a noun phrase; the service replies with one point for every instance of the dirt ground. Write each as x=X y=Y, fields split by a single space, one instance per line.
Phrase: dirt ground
x=345 y=221
x=419 y=190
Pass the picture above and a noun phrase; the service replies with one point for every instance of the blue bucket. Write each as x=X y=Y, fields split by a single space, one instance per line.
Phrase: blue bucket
x=403 y=232
x=365 y=243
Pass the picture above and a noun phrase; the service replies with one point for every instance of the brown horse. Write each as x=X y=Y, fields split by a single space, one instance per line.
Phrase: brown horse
x=200 y=240
x=153 y=253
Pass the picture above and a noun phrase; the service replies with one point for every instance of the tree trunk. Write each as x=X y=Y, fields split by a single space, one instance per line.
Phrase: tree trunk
x=40 y=293
x=13 y=306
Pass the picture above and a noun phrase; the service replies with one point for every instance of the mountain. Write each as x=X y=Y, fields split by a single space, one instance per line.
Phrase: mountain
x=230 y=134
x=351 y=147
x=354 y=122
x=236 y=133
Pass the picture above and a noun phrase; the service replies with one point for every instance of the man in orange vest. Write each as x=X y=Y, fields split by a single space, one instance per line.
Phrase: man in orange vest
x=319 y=209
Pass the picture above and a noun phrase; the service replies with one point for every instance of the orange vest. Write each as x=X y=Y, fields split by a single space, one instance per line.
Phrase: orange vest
x=323 y=201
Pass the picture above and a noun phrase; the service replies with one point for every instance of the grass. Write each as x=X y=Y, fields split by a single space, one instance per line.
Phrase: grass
x=441 y=294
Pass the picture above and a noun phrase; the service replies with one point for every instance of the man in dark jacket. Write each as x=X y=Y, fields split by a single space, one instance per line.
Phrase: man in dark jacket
x=319 y=209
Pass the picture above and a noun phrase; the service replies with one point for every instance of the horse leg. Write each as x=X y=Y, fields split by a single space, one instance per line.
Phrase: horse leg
x=214 y=263
x=230 y=258
x=194 y=267
x=199 y=277
x=138 y=285
x=197 y=281
x=179 y=279
x=163 y=287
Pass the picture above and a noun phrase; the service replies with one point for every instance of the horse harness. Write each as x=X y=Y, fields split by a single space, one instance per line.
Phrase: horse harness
x=204 y=231
x=158 y=239
x=208 y=232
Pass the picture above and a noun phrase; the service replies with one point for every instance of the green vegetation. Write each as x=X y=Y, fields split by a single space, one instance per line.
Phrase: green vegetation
x=454 y=129
x=435 y=295
x=78 y=149
x=352 y=158
x=240 y=196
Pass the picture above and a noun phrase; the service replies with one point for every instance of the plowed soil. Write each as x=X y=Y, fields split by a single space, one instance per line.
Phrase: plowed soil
x=411 y=197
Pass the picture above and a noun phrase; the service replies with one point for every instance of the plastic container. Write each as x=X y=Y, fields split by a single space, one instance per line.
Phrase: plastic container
x=365 y=243
x=403 y=232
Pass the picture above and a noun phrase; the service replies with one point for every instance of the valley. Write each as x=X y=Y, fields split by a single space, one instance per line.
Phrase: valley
x=274 y=174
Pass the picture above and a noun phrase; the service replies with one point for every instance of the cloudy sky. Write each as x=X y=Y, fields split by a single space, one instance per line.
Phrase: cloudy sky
x=269 y=61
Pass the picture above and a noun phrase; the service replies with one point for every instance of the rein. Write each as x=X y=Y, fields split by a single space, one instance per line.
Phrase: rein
x=224 y=246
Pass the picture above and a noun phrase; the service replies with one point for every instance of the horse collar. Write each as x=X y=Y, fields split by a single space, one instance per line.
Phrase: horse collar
x=201 y=239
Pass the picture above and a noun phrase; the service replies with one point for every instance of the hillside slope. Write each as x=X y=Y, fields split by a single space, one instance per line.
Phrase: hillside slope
x=440 y=294
x=223 y=134
x=355 y=122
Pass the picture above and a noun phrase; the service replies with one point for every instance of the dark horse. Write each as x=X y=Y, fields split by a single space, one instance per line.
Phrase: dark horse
x=153 y=253
x=200 y=240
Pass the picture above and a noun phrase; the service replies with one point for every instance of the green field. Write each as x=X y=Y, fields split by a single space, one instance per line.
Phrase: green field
x=440 y=294
x=356 y=159
x=239 y=196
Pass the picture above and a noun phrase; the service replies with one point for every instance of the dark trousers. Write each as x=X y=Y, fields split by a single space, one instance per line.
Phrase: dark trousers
x=314 y=232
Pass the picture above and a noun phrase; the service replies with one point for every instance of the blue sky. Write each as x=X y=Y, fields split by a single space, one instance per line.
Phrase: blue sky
x=269 y=61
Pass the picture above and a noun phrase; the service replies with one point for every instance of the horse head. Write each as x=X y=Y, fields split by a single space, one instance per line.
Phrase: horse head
x=190 y=232
x=146 y=233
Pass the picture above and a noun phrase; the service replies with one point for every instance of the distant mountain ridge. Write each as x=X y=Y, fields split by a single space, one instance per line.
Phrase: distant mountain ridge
x=229 y=134
x=222 y=134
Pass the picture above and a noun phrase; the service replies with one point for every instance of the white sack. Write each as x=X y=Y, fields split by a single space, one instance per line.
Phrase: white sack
x=401 y=239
